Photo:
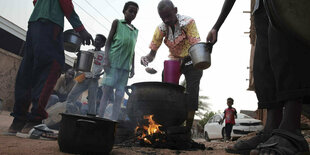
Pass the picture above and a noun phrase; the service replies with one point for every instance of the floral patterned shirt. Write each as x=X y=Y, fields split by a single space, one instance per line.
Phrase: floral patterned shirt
x=185 y=35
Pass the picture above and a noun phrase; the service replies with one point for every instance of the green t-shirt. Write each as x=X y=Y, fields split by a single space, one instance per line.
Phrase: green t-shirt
x=123 y=46
x=51 y=10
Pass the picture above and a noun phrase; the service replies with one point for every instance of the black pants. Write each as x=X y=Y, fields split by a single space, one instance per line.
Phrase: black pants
x=192 y=78
x=39 y=70
x=281 y=65
x=228 y=129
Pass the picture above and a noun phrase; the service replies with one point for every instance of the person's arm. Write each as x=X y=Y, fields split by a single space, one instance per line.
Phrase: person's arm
x=106 y=62
x=145 y=60
x=74 y=20
x=227 y=6
x=155 y=44
x=132 y=71
x=235 y=113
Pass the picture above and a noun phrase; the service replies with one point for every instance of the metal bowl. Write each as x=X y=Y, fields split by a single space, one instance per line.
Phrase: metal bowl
x=72 y=41
x=84 y=61
x=201 y=55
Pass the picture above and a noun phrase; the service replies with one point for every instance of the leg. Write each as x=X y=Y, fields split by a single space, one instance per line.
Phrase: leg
x=228 y=128
x=289 y=59
x=192 y=77
x=291 y=116
x=52 y=101
x=265 y=86
x=122 y=79
x=119 y=95
x=274 y=117
x=49 y=60
x=74 y=94
x=23 y=88
x=106 y=90
x=23 y=83
x=92 y=95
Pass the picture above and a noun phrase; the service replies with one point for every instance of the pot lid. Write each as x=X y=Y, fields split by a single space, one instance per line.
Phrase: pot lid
x=161 y=84
x=88 y=117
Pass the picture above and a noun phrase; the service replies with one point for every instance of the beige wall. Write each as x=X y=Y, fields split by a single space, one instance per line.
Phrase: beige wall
x=9 y=64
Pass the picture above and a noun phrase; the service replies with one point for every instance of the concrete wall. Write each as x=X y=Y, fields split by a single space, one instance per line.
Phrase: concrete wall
x=9 y=64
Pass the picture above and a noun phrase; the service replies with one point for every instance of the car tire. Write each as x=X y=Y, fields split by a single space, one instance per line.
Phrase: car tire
x=207 y=137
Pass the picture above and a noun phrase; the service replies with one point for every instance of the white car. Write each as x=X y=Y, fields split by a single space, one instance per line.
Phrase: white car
x=215 y=127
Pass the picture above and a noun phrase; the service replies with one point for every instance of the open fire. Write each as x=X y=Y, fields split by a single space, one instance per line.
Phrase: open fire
x=149 y=132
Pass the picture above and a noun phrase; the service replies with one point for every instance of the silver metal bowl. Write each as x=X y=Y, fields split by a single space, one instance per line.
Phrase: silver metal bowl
x=201 y=55
x=72 y=41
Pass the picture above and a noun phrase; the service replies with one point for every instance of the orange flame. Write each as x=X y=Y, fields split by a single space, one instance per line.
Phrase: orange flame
x=152 y=128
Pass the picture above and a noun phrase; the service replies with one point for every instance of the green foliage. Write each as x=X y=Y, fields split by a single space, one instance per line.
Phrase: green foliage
x=203 y=106
x=206 y=117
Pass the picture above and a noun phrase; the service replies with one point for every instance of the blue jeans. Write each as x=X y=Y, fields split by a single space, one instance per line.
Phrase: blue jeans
x=78 y=89
x=52 y=101
x=39 y=70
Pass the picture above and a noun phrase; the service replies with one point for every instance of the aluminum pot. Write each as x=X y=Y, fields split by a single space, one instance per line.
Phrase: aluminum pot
x=166 y=101
x=81 y=134
x=200 y=54
x=72 y=41
x=84 y=61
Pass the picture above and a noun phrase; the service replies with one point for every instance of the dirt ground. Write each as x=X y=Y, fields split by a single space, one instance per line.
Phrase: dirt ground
x=12 y=145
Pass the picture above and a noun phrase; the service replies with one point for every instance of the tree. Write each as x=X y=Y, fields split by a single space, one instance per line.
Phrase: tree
x=206 y=117
x=203 y=106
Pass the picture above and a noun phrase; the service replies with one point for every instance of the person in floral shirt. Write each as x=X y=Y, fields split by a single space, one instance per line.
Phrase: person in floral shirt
x=178 y=32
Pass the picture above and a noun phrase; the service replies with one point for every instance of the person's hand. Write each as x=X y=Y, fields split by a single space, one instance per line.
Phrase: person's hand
x=86 y=37
x=144 y=61
x=212 y=36
x=132 y=73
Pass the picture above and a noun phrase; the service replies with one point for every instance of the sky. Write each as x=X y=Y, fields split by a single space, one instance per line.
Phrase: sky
x=228 y=74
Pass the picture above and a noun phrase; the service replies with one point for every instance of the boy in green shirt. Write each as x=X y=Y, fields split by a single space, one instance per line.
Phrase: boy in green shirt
x=119 y=55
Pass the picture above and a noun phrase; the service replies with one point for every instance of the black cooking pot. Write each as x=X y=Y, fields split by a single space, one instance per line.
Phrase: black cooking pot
x=86 y=134
x=166 y=101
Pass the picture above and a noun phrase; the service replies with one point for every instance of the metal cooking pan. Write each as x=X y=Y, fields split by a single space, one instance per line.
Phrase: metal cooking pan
x=201 y=55
x=72 y=41
x=86 y=134
x=84 y=61
x=166 y=101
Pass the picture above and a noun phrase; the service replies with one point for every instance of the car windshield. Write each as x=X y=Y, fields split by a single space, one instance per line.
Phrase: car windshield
x=243 y=116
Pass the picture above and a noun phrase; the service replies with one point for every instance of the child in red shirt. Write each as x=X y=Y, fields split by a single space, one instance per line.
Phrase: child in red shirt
x=230 y=114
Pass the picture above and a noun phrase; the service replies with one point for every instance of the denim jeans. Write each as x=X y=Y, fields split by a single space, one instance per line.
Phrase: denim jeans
x=92 y=86
x=52 y=101
x=39 y=70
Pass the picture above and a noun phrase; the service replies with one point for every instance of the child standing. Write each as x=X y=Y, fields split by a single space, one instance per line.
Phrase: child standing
x=89 y=80
x=230 y=114
x=119 y=55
